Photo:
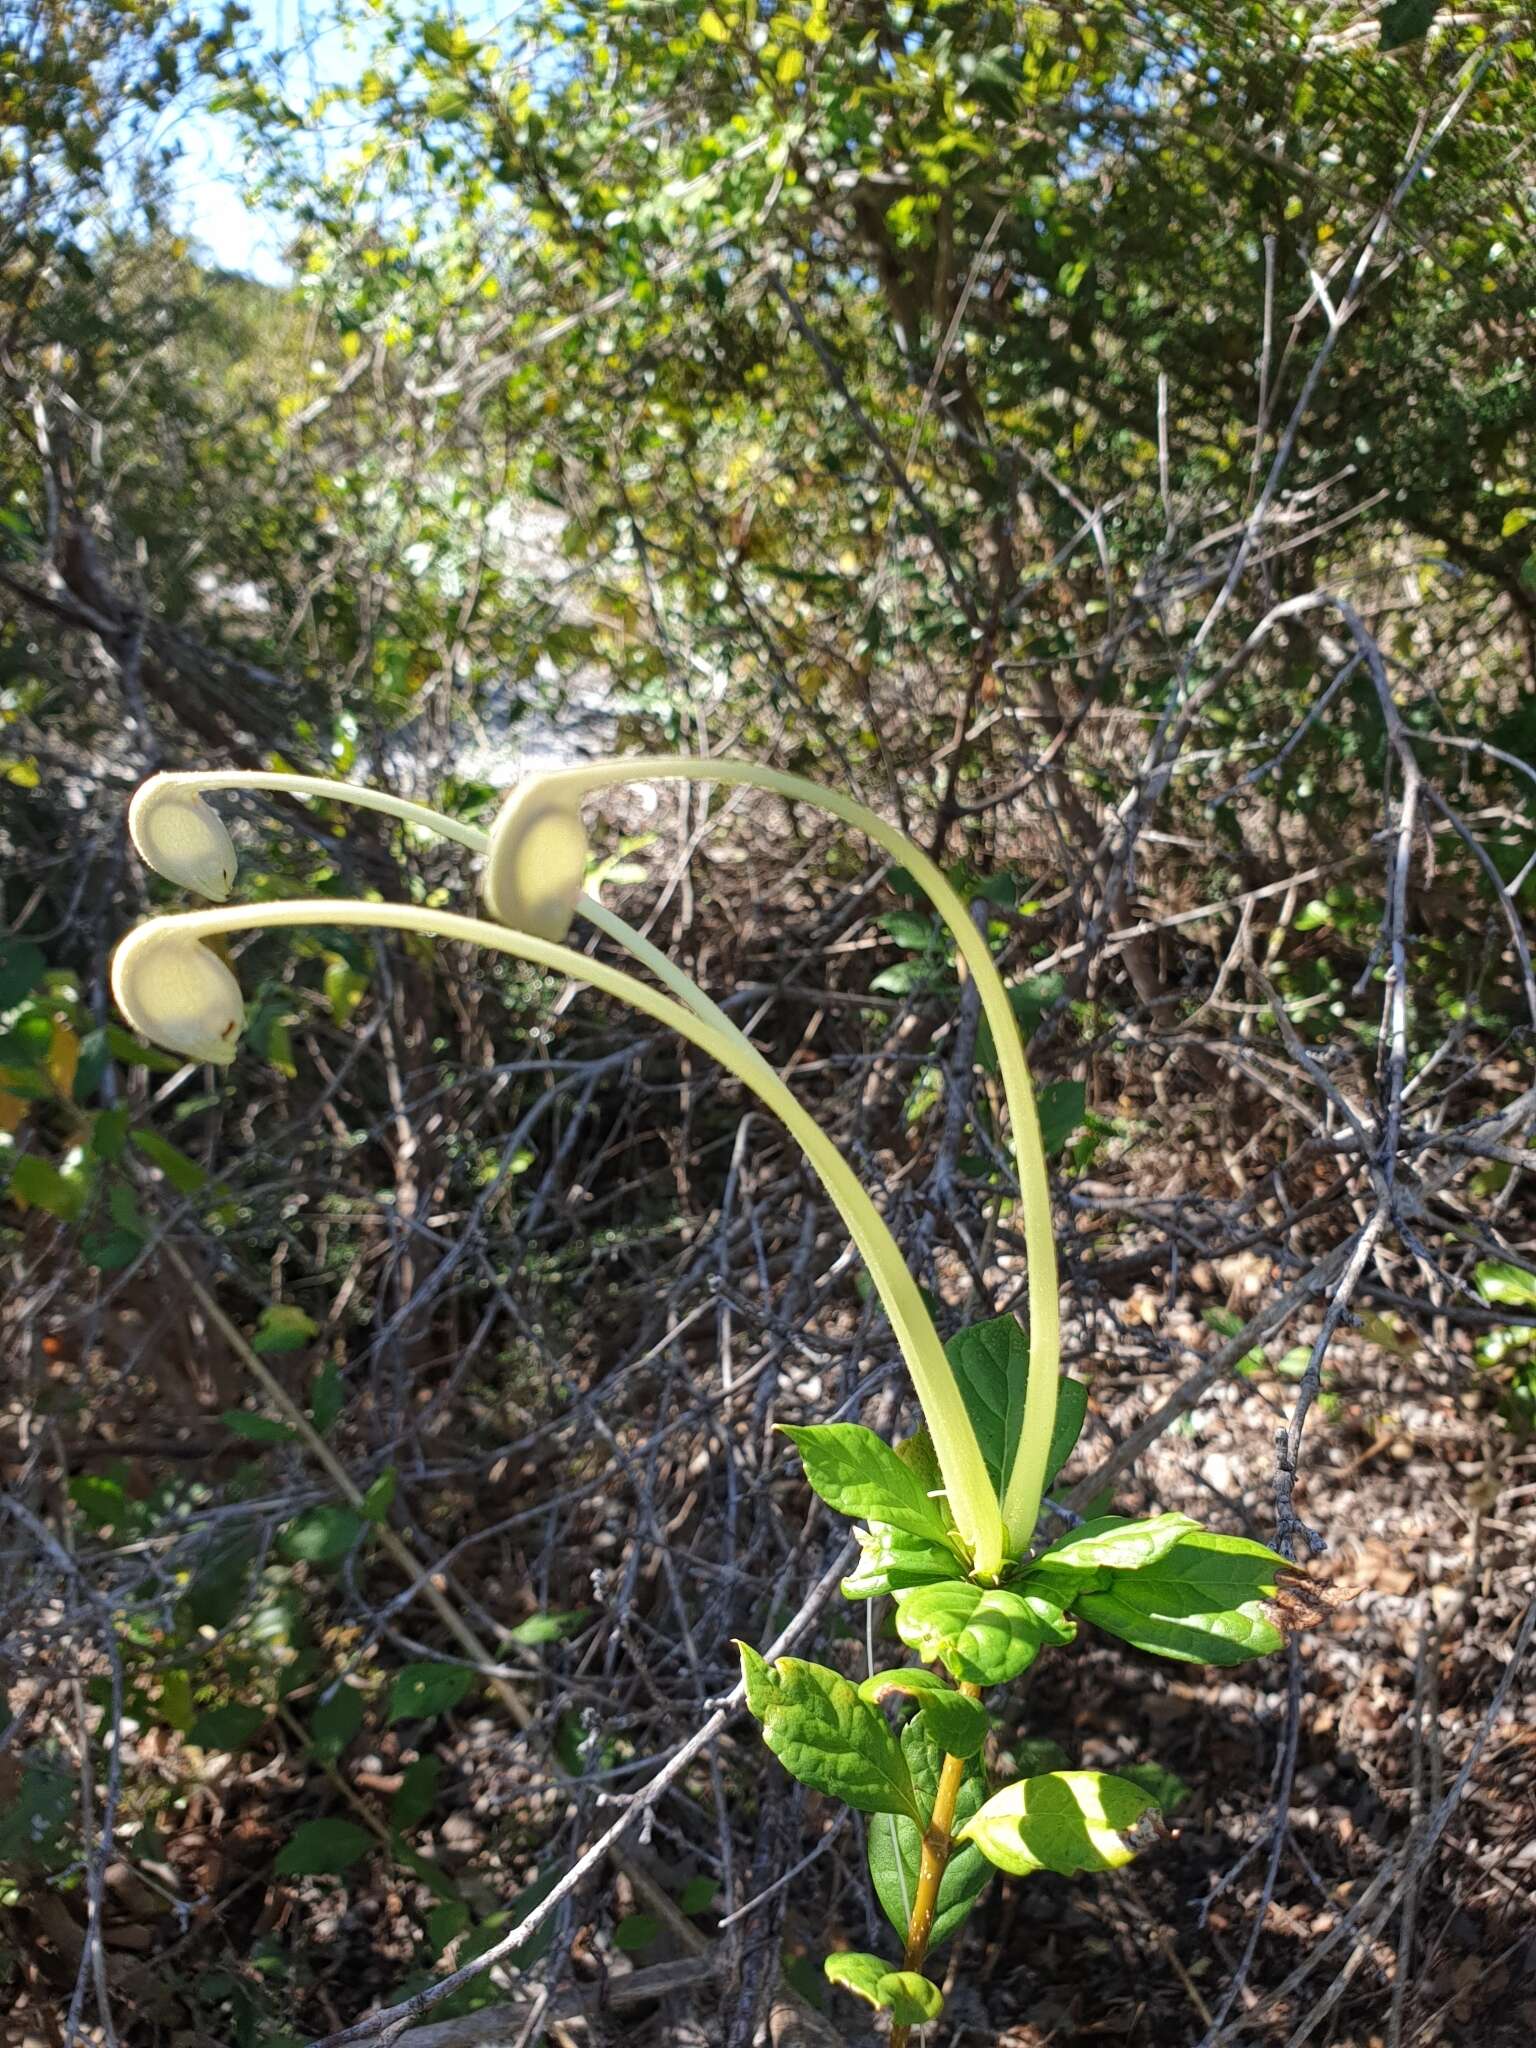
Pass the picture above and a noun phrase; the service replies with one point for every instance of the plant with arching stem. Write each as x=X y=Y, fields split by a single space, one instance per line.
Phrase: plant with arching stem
x=947 y=1518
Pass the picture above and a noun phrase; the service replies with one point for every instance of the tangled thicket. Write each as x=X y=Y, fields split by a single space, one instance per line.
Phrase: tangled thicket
x=1101 y=439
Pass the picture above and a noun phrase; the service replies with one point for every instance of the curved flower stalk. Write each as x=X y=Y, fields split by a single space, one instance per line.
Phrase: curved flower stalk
x=174 y=991
x=178 y=834
x=1163 y=1584
x=533 y=879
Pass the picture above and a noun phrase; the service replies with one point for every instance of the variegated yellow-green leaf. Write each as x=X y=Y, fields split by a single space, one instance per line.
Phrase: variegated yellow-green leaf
x=1204 y=1601
x=1066 y=1821
x=908 y=1997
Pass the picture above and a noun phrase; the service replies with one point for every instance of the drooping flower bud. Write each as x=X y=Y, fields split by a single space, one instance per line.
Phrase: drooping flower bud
x=180 y=835
x=177 y=993
x=537 y=859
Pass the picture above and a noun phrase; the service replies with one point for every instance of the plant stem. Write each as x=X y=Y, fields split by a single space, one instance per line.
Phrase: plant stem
x=971 y=1498
x=934 y=1861
x=1026 y=1481
x=196 y=781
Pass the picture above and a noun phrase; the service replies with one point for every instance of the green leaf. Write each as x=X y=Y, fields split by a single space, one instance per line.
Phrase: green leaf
x=417 y=1794
x=859 y=1973
x=228 y=1728
x=826 y=1736
x=1506 y=1285
x=176 y=1700
x=1116 y=1543
x=256 y=1429
x=1202 y=1602
x=1037 y=1754
x=429 y=1873
x=990 y=1362
x=895 y=1844
x=635 y=1932
x=1029 y=1001
x=1071 y=1413
x=322 y=1848
x=35 y=1822
x=184 y=1174
x=1066 y=1821
x=42 y=1186
x=984 y=1635
x=110 y=1250
x=22 y=967
x=109 y=1135
x=910 y=1999
x=911 y=929
x=423 y=1689
x=327 y=1397
x=344 y=985
x=1406 y=21
x=1166 y=1787
x=102 y=1501
x=282 y=1327
x=958 y=1725
x=863 y=1478
x=697 y=1896
x=712 y=28
x=375 y=1503
x=1063 y=1105
x=552 y=1627
x=445 y=1923
x=221 y=1581
x=906 y=978
x=1226 y=1323
x=905 y=1994
x=891 y=1560
x=335 y=1721
x=319 y=1535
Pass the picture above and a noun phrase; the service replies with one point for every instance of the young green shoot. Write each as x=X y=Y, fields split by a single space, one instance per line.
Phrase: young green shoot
x=947 y=1519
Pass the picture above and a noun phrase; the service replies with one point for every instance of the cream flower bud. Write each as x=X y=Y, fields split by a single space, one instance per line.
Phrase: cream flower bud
x=180 y=835
x=537 y=860
x=178 y=994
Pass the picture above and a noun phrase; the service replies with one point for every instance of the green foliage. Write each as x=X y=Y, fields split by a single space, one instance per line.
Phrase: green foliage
x=909 y=1998
x=336 y=1719
x=957 y=1725
x=826 y=1736
x=1202 y=1598
x=322 y=1535
x=890 y=1560
x=281 y=1328
x=256 y=1429
x=228 y=1727
x=36 y=1822
x=981 y=1635
x=1066 y=1821
x=417 y=1794
x=863 y=1478
x=421 y=1690
x=1406 y=21
x=991 y=1366
x=895 y=1844
x=322 y=1848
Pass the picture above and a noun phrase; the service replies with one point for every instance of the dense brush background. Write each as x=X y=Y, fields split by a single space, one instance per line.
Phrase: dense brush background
x=1100 y=437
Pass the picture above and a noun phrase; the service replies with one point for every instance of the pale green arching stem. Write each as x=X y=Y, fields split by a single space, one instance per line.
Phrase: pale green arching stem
x=1026 y=1482
x=967 y=1485
x=196 y=782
